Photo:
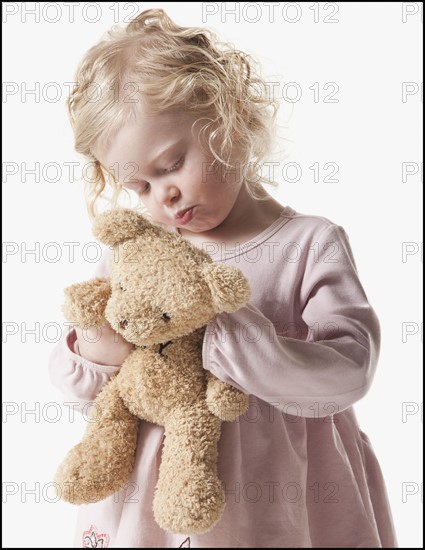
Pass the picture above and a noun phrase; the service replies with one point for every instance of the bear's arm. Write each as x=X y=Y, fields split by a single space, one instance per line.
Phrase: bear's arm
x=223 y=400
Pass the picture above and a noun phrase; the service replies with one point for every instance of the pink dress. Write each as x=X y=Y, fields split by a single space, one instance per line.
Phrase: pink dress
x=296 y=469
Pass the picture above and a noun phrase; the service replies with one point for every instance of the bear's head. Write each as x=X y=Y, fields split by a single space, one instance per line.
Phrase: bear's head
x=162 y=286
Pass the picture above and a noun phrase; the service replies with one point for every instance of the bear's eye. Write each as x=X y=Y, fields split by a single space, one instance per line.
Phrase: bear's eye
x=121 y=287
x=166 y=317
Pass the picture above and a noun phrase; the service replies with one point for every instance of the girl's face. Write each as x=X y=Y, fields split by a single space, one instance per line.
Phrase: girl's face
x=177 y=181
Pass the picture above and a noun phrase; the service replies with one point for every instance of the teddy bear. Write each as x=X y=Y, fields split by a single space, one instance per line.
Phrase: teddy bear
x=161 y=293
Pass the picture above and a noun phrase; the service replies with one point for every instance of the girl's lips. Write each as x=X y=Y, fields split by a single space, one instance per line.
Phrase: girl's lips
x=187 y=216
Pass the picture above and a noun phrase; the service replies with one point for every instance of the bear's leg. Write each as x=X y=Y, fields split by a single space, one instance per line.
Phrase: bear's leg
x=189 y=496
x=103 y=461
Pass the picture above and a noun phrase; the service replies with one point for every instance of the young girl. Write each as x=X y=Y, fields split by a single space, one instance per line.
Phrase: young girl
x=183 y=120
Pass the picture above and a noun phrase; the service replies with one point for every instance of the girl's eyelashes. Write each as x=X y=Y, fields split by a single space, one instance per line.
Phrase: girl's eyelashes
x=138 y=187
x=175 y=166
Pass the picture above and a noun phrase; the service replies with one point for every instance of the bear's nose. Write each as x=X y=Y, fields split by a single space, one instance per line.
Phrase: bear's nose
x=124 y=324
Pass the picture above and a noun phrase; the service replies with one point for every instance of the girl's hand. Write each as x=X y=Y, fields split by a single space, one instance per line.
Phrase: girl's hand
x=103 y=345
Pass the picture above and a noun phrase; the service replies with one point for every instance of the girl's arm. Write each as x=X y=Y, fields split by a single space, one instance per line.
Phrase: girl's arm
x=78 y=379
x=321 y=375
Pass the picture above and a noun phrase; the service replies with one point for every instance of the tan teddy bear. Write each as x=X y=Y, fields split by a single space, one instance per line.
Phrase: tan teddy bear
x=161 y=293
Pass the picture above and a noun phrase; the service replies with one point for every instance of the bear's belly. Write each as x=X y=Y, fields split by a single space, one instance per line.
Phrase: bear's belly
x=157 y=380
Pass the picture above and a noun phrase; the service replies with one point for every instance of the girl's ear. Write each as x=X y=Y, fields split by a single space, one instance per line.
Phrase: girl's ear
x=118 y=226
x=229 y=288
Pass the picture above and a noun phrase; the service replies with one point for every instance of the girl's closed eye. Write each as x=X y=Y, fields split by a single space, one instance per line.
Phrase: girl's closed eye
x=145 y=188
x=137 y=186
x=175 y=166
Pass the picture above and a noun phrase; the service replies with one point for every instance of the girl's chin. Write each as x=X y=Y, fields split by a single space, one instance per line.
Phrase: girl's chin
x=194 y=226
x=196 y=230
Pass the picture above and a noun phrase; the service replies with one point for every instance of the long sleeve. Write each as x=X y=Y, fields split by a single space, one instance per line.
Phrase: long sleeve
x=78 y=379
x=329 y=361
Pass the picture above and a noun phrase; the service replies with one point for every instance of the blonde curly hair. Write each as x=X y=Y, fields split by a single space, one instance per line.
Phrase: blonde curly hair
x=170 y=68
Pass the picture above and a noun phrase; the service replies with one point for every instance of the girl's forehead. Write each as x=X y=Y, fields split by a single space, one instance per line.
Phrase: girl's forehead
x=149 y=136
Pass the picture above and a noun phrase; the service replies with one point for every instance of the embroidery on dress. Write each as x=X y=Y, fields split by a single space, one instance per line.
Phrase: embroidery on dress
x=93 y=539
x=185 y=543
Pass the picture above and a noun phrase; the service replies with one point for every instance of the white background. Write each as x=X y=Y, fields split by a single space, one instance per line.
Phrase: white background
x=368 y=50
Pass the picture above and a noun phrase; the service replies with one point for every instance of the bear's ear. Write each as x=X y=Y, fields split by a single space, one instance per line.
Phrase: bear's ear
x=118 y=226
x=229 y=288
x=85 y=302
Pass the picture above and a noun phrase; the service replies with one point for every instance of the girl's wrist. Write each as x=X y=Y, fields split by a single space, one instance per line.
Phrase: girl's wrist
x=103 y=346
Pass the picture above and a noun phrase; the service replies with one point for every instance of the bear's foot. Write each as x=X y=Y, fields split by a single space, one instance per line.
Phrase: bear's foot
x=93 y=471
x=191 y=506
x=104 y=460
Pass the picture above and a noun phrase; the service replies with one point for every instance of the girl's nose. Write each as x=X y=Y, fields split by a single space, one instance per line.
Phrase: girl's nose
x=169 y=194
